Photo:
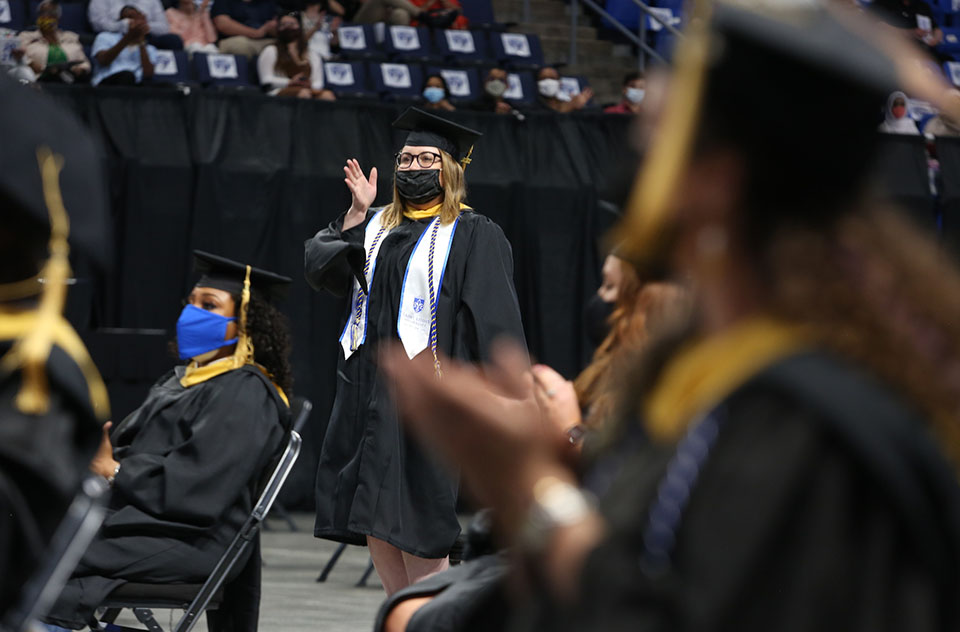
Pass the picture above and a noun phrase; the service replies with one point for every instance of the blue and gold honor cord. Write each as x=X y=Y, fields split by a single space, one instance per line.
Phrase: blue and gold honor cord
x=433 y=298
x=361 y=294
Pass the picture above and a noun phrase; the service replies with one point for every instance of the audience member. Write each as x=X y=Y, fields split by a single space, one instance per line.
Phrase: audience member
x=495 y=84
x=401 y=12
x=913 y=17
x=186 y=465
x=436 y=93
x=942 y=124
x=246 y=26
x=895 y=119
x=125 y=59
x=102 y=12
x=51 y=53
x=290 y=68
x=634 y=89
x=550 y=97
x=193 y=25
x=320 y=27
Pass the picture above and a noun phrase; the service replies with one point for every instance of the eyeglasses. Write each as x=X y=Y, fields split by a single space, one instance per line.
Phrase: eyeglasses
x=425 y=159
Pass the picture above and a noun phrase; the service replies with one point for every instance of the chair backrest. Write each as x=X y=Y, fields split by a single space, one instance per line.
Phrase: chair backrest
x=951 y=40
x=397 y=80
x=220 y=69
x=357 y=41
x=406 y=42
x=572 y=86
x=479 y=13
x=69 y=542
x=458 y=46
x=300 y=409
x=521 y=88
x=172 y=66
x=12 y=15
x=464 y=83
x=346 y=78
x=522 y=50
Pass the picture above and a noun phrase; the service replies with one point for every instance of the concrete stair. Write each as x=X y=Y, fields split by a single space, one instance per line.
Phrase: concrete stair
x=601 y=62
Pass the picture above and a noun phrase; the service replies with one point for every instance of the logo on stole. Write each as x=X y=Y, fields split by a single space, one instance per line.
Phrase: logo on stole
x=418 y=305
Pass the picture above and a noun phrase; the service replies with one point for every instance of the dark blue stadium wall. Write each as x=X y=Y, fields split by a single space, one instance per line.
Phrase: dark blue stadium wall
x=252 y=177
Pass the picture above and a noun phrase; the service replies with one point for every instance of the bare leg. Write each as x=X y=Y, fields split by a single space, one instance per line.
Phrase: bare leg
x=420 y=567
x=388 y=560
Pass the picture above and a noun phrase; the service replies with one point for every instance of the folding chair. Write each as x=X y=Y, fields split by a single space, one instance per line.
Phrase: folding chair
x=278 y=508
x=69 y=542
x=196 y=599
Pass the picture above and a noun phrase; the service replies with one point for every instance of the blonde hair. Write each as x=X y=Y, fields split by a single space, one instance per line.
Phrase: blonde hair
x=454 y=192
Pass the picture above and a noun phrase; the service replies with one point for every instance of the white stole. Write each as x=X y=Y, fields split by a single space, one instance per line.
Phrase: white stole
x=413 y=323
x=360 y=331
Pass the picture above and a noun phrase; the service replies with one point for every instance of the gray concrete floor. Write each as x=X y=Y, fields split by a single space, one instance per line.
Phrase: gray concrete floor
x=292 y=601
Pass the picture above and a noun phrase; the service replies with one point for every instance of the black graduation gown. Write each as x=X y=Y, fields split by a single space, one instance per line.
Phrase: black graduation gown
x=373 y=478
x=43 y=458
x=191 y=460
x=823 y=505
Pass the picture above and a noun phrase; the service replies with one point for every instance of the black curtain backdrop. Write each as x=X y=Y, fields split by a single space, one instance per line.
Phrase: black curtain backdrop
x=252 y=177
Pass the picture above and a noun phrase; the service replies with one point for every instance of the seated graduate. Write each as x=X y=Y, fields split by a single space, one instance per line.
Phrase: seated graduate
x=185 y=467
x=52 y=400
x=790 y=461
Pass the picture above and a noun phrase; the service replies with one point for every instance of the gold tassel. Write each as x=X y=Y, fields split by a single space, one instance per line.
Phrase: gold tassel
x=466 y=159
x=47 y=326
x=244 y=352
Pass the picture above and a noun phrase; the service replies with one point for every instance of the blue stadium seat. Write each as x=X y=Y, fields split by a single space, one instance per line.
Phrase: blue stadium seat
x=464 y=83
x=952 y=70
x=661 y=39
x=347 y=79
x=951 y=40
x=408 y=43
x=521 y=88
x=172 y=66
x=944 y=12
x=396 y=82
x=357 y=41
x=464 y=48
x=480 y=15
x=518 y=50
x=221 y=70
x=12 y=15
x=573 y=86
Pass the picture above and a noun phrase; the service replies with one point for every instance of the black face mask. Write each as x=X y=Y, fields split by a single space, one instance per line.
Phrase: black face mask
x=419 y=185
x=595 y=315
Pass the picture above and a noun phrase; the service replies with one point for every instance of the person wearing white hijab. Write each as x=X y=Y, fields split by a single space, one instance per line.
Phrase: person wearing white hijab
x=896 y=120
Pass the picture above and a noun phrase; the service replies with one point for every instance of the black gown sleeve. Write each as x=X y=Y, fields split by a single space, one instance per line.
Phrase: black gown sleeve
x=334 y=257
x=489 y=307
x=196 y=481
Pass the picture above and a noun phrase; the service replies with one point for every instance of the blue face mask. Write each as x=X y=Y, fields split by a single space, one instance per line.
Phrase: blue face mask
x=200 y=331
x=635 y=95
x=434 y=94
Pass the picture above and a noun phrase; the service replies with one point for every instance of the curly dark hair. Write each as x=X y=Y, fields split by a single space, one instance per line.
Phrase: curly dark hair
x=270 y=331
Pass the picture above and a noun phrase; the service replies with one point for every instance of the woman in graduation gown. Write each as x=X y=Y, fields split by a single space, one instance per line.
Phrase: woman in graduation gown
x=430 y=270
x=789 y=460
x=185 y=467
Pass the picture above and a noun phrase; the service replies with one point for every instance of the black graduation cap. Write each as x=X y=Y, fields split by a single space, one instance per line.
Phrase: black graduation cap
x=228 y=275
x=31 y=122
x=795 y=86
x=430 y=130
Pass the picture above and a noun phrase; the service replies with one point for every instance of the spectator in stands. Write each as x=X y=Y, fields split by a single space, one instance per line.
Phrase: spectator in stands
x=49 y=51
x=125 y=59
x=102 y=12
x=915 y=18
x=193 y=25
x=436 y=93
x=246 y=26
x=320 y=27
x=552 y=98
x=634 y=89
x=402 y=12
x=442 y=14
x=185 y=466
x=942 y=124
x=895 y=119
x=495 y=84
x=290 y=68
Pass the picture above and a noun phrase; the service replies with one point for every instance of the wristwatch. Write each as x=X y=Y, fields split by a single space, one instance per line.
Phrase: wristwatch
x=113 y=476
x=556 y=503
